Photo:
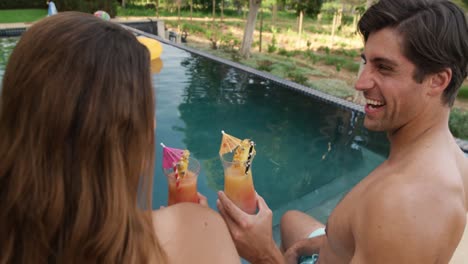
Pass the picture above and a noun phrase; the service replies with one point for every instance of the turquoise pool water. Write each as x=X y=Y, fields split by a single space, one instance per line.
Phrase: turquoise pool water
x=6 y=46
x=309 y=153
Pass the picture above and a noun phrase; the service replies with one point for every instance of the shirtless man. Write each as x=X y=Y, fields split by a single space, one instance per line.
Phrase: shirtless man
x=412 y=208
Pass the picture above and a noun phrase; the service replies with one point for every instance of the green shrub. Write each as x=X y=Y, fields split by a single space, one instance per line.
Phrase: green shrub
x=193 y=28
x=265 y=65
x=136 y=10
x=338 y=67
x=271 y=47
x=348 y=53
x=284 y=52
x=324 y=49
x=463 y=92
x=297 y=77
x=333 y=60
x=351 y=66
x=459 y=123
x=311 y=55
x=229 y=42
x=338 y=88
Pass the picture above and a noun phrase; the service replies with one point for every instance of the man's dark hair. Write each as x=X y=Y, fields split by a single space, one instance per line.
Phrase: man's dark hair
x=434 y=33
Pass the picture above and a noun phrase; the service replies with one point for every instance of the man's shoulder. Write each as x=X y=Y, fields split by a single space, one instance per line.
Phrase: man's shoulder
x=410 y=215
x=403 y=201
x=413 y=188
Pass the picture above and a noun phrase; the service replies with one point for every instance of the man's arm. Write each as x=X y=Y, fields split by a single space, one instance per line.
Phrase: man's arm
x=407 y=225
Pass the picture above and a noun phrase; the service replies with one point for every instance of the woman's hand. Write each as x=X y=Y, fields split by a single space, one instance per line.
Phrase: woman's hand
x=202 y=200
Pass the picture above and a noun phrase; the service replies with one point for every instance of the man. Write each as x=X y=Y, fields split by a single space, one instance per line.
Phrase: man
x=412 y=208
x=52 y=9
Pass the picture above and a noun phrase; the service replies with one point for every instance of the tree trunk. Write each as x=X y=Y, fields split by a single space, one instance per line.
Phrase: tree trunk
x=123 y=3
x=222 y=10
x=254 y=5
x=214 y=13
x=301 y=18
x=261 y=31
x=335 y=18
x=157 y=8
x=178 y=13
x=369 y=3
x=191 y=10
x=274 y=14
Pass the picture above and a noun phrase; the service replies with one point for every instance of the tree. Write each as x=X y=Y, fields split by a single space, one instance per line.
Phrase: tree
x=238 y=5
x=247 y=40
x=191 y=10
x=310 y=8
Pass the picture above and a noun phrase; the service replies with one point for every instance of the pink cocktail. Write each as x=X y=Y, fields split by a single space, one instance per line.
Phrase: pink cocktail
x=183 y=189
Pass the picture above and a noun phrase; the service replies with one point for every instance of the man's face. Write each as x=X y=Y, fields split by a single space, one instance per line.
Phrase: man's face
x=393 y=97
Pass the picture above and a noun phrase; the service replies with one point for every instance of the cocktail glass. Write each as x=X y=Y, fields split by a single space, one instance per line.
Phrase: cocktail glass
x=183 y=189
x=238 y=183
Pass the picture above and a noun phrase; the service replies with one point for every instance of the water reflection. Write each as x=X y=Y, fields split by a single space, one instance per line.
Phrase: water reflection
x=6 y=47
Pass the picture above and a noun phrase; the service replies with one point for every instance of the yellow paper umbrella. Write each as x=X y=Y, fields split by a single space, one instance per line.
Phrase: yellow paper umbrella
x=228 y=143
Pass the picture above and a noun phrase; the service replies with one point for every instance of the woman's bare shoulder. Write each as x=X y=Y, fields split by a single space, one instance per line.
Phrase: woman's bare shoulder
x=189 y=232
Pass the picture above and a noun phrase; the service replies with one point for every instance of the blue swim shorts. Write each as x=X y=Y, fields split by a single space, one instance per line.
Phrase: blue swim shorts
x=314 y=258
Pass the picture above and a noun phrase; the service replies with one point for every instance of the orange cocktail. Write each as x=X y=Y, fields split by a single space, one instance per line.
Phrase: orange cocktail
x=183 y=187
x=237 y=156
x=239 y=187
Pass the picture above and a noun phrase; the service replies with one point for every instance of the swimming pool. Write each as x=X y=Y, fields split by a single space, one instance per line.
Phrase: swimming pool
x=309 y=152
x=6 y=46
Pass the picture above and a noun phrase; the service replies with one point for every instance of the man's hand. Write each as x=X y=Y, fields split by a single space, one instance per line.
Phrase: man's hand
x=252 y=234
x=291 y=255
x=305 y=247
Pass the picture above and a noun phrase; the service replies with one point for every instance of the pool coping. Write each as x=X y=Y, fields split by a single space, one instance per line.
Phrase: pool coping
x=463 y=144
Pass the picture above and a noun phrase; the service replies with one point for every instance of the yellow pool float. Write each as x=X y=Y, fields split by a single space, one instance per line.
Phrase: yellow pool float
x=154 y=47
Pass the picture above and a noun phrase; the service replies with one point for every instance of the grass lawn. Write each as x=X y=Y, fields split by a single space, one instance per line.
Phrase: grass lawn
x=22 y=15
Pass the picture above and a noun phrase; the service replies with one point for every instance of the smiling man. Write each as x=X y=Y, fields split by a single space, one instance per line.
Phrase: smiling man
x=412 y=208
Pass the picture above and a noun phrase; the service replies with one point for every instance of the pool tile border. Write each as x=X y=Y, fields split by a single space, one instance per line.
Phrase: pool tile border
x=463 y=144
x=12 y=32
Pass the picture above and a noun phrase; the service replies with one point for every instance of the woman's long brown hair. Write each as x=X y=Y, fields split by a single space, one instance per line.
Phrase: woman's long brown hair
x=77 y=146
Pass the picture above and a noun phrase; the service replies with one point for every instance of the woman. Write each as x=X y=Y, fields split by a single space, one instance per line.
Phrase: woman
x=77 y=151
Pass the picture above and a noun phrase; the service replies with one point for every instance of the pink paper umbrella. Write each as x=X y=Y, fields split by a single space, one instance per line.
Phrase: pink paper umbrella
x=171 y=156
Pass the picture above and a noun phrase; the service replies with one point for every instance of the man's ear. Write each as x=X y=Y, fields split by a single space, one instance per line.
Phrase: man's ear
x=439 y=81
